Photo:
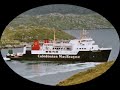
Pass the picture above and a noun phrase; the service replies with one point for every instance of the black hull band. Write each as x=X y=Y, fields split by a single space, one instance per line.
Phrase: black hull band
x=82 y=56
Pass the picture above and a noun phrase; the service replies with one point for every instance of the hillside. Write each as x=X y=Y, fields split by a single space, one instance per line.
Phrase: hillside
x=26 y=28
x=20 y=35
x=61 y=8
x=62 y=21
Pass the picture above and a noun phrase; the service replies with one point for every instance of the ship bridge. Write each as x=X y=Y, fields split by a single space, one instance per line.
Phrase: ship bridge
x=86 y=44
x=87 y=41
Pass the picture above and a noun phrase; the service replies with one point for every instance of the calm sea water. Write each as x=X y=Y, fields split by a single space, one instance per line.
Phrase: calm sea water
x=30 y=69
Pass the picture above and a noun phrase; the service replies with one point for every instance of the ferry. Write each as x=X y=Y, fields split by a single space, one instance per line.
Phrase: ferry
x=83 y=49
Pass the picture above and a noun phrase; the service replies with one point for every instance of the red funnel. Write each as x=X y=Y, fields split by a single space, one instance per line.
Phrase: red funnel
x=36 y=45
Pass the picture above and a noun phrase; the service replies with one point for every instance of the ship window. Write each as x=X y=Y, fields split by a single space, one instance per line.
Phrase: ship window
x=49 y=51
x=46 y=51
x=68 y=49
x=56 y=51
x=83 y=40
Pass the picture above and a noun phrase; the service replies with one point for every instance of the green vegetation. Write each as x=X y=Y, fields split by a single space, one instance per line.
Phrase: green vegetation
x=16 y=37
x=87 y=75
x=26 y=28
x=61 y=21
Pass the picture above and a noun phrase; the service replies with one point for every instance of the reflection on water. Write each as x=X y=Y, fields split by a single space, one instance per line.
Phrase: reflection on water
x=30 y=69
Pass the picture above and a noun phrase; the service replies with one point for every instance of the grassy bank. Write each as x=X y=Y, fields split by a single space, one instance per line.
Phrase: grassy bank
x=86 y=75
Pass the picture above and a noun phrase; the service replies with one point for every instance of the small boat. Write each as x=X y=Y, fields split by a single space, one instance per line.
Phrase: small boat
x=6 y=59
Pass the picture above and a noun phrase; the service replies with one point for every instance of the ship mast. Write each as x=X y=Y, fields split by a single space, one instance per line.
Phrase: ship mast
x=85 y=33
x=54 y=36
x=82 y=34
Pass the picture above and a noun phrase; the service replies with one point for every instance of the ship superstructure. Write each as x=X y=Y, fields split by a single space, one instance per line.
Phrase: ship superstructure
x=83 y=49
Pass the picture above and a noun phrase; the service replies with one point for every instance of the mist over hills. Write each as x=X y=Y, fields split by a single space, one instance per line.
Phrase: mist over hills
x=58 y=8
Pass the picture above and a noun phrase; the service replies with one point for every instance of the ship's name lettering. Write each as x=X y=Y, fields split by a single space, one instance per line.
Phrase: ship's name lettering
x=47 y=56
x=58 y=56
x=67 y=56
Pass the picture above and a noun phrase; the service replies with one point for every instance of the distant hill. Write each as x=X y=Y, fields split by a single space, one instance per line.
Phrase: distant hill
x=61 y=21
x=58 y=8
x=26 y=28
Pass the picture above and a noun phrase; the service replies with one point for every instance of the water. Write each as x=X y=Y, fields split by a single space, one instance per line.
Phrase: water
x=36 y=71
x=37 y=68
x=32 y=69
